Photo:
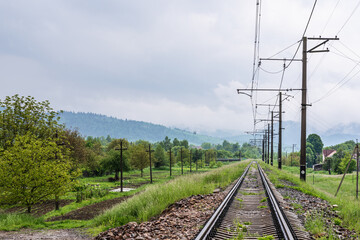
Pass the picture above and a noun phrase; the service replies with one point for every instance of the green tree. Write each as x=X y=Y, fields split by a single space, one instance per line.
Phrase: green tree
x=77 y=145
x=310 y=155
x=160 y=157
x=166 y=143
x=206 y=145
x=33 y=170
x=112 y=161
x=176 y=142
x=317 y=144
x=139 y=157
x=20 y=115
x=344 y=162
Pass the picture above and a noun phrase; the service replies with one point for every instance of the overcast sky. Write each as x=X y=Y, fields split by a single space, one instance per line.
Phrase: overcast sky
x=178 y=62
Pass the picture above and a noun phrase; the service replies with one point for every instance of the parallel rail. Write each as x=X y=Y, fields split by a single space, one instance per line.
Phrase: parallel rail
x=209 y=226
x=285 y=230
x=283 y=227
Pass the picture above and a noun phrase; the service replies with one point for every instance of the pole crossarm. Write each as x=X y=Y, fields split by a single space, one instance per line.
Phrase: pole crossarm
x=279 y=59
x=325 y=40
x=240 y=90
x=267 y=105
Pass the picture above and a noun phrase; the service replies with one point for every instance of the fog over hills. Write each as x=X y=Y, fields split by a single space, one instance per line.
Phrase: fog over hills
x=91 y=124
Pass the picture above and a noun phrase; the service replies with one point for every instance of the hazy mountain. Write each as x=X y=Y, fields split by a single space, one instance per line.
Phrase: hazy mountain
x=91 y=124
x=96 y=125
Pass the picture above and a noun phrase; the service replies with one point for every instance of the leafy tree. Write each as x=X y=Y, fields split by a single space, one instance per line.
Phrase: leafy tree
x=227 y=146
x=139 y=157
x=176 y=142
x=224 y=154
x=94 y=144
x=310 y=155
x=235 y=147
x=33 y=170
x=344 y=162
x=20 y=115
x=184 y=143
x=166 y=143
x=112 y=161
x=206 y=145
x=317 y=144
x=77 y=145
x=160 y=158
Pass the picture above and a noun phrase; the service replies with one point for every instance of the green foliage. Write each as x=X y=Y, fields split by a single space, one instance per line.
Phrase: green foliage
x=20 y=115
x=112 y=161
x=267 y=237
x=87 y=191
x=160 y=157
x=156 y=198
x=139 y=157
x=12 y=222
x=33 y=170
x=316 y=142
x=344 y=162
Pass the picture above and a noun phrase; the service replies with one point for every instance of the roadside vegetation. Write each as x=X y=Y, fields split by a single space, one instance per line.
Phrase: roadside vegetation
x=322 y=185
x=48 y=171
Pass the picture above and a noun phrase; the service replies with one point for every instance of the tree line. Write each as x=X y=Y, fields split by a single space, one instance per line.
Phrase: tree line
x=41 y=159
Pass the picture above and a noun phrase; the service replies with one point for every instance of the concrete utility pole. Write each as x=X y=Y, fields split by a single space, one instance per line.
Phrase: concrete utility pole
x=272 y=138
x=303 y=98
x=280 y=131
x=268 y=144
x=121 y=149
x=150 y=151
x=263 y=147
x=357 y=169
x=303 y=114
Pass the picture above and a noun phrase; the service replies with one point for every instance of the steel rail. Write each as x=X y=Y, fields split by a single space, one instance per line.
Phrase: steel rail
x=209 y=226
x=284 y=224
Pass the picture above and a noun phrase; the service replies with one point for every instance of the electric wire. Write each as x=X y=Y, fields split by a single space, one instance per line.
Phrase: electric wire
x=332 y=13
x=344 y=80
x=347 y=20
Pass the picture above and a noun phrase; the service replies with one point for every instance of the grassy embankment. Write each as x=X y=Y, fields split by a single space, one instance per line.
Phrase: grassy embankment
x=322 y=185
x=150 y=201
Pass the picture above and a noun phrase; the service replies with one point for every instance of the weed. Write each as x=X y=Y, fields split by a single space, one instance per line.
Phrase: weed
x=263 y=200
x=337 y=221
x=262 y=206
x=296 y=206
x=267 y=237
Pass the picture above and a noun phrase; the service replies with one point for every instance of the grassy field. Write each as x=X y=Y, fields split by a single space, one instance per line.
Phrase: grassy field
x=323 y=185
x=148 y=200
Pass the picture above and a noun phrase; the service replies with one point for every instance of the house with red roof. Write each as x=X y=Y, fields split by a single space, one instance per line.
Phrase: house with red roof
x=328 y=153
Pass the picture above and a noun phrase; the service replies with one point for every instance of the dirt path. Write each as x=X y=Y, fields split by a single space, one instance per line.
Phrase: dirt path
x=45 y=234
x=90 y=211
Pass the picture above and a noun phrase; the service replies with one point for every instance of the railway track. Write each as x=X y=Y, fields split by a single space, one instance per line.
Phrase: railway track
x=251 y=210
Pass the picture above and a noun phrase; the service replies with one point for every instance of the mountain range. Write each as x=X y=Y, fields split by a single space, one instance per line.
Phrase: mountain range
x=97 y=125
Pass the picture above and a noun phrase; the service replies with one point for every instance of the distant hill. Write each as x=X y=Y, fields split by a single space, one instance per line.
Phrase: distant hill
x=96 y=125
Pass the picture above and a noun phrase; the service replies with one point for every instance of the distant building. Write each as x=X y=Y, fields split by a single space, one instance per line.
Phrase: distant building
x=328 y=153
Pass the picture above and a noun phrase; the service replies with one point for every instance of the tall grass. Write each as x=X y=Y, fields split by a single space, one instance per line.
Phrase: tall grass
x=156 y=198
x=325 y=187
x=12 y=222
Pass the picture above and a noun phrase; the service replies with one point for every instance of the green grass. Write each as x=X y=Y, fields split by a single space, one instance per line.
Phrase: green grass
x=325 y=187
x=267 y=237
x=155 y=199
x=12 y=222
